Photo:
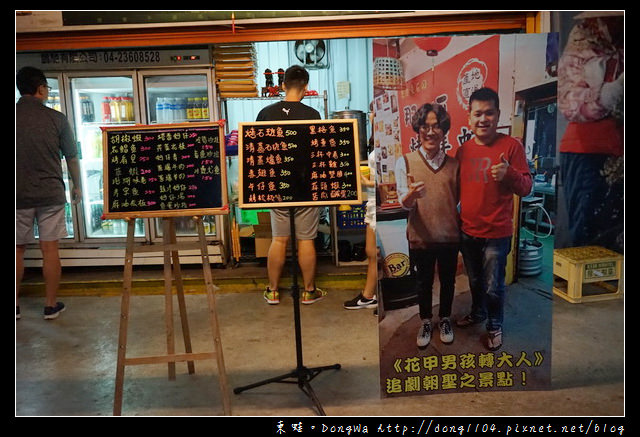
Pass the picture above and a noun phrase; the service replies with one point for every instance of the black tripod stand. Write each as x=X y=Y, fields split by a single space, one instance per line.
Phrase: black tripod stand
x=301 y=375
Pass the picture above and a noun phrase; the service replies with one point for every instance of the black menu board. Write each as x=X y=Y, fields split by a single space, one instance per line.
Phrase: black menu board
x=299 y=163
x=164 y=170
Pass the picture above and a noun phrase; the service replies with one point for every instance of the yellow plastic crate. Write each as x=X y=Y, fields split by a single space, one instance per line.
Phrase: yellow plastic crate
x=588 y=273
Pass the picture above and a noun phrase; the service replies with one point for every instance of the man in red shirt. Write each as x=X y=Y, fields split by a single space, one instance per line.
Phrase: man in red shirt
x=493 y=168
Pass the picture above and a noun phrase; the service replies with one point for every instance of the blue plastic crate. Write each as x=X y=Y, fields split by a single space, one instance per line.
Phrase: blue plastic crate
x=352 y=218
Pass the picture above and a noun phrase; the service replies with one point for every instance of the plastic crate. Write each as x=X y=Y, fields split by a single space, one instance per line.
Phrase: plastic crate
x=352 y=218
x=588 y=273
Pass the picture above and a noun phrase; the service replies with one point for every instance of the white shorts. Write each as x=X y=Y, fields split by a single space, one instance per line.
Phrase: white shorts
x=51 y=224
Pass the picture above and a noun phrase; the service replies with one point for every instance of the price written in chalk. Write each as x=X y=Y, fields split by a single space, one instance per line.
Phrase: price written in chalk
x=296 y=163
x=159 y=171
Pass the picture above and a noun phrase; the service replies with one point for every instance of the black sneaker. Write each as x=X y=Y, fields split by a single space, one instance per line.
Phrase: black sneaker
x=17 y=312
x=53 y=312
x=360 y=301
x=468 y=320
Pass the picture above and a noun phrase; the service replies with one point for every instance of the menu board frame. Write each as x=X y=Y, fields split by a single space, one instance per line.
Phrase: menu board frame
x=353 y=147
x=222 y=210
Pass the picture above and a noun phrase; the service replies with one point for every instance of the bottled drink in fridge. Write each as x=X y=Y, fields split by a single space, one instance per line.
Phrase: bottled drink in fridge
x=128 y=105
x=83 y=108
x=183 y=109
x=205 y=108
x=115 y=109
x=175 y=109
x=160 y=113
x=190 y=105
x=197 y=108
x=86 y=106
x=106 y=110
x=168 y=110
x=122 y=105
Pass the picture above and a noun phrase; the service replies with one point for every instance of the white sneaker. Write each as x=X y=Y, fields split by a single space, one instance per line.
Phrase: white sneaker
x=446 y=331
x=424 y=334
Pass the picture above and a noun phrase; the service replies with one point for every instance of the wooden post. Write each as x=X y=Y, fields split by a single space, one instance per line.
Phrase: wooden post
x=213 y=317
x=124 y=317
x=168 y=295
x=177 y=275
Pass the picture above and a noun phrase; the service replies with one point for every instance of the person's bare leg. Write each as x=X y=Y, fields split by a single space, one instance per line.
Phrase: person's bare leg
x=19 y=268
x=51 y=270
x=372 y=267
x=307 y=262
x=276 y=258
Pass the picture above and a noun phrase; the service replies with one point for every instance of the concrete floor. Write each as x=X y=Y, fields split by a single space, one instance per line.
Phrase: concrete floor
x=66 y=367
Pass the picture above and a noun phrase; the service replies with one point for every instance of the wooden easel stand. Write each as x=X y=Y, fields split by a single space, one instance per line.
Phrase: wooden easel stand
x=172 y=271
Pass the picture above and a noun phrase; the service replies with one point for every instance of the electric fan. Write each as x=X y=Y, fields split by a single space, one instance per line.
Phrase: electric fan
x=311 y=52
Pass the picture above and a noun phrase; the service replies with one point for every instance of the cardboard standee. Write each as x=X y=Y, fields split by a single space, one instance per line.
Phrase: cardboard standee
x=172 y=271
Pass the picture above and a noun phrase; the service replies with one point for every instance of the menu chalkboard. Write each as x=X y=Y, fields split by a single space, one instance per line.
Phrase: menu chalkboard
x=164 y=170
x=299 y=163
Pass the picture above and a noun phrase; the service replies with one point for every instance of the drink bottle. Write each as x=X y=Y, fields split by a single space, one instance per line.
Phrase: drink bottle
x=190 y=104
x=115 y=109
x=106 y=110
x=205 y=108
x=159 y=110
x=197 y=108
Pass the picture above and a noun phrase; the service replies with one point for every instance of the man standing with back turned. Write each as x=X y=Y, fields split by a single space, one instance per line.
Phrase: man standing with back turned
x=493 y=168
x=307 y=219
x=42 y=135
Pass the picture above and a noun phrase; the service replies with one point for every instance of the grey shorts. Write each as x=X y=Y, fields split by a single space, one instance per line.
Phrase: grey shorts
x=51 y=224
x=306 y=222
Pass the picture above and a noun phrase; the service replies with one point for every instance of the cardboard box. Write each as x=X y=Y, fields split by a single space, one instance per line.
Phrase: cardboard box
x=262 y=234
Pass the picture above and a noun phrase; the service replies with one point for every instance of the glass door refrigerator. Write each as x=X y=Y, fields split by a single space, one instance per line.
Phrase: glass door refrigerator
x=99 y=100
x=124 y=86
x=180 y=96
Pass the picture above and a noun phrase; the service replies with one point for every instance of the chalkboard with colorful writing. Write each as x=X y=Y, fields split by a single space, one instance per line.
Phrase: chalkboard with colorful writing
x=299 y=163
x=164 y=170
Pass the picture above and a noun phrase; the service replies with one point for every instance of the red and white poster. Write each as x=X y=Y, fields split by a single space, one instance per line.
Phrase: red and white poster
x=446 y=70
x=449 y=83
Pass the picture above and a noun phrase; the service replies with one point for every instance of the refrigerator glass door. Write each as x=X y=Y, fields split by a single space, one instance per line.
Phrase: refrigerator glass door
x=179 y=98
x=100 y=101
x=54 y=102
